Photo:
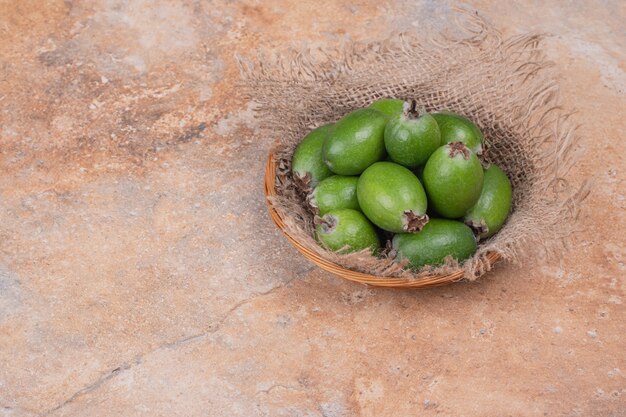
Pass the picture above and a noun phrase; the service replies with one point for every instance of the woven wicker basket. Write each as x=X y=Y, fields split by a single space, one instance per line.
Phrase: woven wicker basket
x=421 y=282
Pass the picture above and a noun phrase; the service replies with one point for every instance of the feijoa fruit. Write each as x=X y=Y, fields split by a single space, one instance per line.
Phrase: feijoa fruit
x=335 y=192
x=346 y=228
x=355 y=142
x=392 y=197
x=456 y=128
x=493 y=206
x=411 y=136
x=437 y=240
x=453 y=178
x=307 y=163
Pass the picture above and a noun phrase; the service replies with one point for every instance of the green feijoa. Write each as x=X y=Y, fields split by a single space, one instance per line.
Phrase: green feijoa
x=392 y=197
x=493 y=206
x=355 y=142
x=336 y=192
x=456 y=128
x=307 y=164
x=389 y=106
x=453 y=178
x=346 y=228
x=411 y=136
x=437 y=240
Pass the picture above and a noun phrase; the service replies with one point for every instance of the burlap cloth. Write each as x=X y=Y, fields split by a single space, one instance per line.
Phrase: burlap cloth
x=506 y=86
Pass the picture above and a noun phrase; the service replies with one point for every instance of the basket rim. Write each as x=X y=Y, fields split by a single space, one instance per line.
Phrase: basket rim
x=349 y=274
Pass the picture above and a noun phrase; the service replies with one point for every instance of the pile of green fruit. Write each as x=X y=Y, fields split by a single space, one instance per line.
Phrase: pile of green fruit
x=396 y=172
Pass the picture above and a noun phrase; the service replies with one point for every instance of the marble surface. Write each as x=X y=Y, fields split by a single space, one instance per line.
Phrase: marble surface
x=141 y=276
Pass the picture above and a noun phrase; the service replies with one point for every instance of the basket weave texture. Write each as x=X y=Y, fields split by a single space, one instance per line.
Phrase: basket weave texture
x=506 y=86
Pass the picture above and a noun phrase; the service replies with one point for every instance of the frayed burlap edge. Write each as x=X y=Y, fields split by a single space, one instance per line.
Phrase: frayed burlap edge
x=505 y=85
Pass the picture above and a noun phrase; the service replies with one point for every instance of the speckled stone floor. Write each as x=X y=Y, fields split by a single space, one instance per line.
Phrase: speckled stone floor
x=141 y=276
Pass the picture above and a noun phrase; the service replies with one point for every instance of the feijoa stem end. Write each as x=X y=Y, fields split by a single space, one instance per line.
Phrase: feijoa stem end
x=458 y=148
x=412 y=111
x=414 y=222
x=327 y=222
x=302 y=182
x=478 y=227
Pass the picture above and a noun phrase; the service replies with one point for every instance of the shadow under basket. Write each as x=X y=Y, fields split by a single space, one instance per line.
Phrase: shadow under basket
x=363 y=278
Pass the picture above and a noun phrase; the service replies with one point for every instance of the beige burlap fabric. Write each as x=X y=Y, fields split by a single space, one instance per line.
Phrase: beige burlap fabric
x=506 y=86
